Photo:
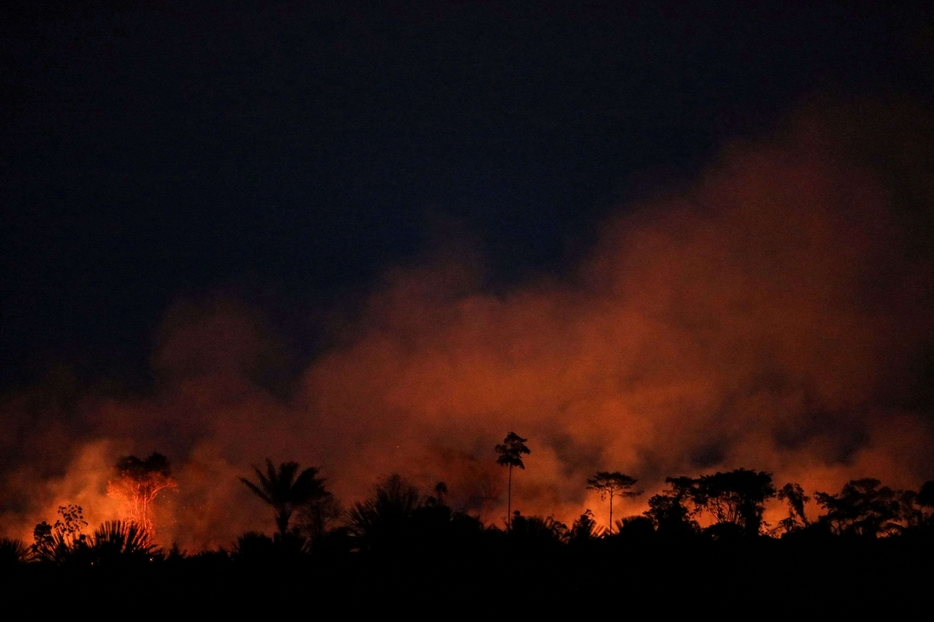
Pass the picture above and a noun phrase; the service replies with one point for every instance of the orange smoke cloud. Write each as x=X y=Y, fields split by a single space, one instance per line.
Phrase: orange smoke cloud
x=769 y=317
x=775 y=316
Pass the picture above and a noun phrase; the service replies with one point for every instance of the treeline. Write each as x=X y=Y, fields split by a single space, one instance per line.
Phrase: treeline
x=398 y=519
x=702 y=539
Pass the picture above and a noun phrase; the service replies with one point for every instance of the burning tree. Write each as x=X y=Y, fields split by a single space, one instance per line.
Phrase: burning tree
x=137 y=482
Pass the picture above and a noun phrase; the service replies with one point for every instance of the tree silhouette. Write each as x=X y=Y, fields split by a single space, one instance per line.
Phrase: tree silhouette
x=285 y=489
x=611 y=485
x=137 y=482
x=441 y=489
x=13 y=552
x=794 y=495
x=315 y=519
x=62 y=541
x=113 y=543
x=121 y=542
x=584 y=529
x=639 y=528
x=926 y=494
x=925 y=501
x=536 y=531
x=736 y=497
x=253 y=547
x=669 y=509
x=510 y=455
x=862 y=508
x=386 y=518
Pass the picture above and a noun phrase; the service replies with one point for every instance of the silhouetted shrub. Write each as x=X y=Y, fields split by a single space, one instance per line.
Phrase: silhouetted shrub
x=13 y=552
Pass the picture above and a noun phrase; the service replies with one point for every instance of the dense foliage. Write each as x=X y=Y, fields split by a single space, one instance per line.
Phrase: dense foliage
x=401 y=535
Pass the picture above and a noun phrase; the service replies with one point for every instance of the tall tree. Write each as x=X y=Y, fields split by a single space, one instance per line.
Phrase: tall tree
x=137 y=482
x=285 y=489
x=612 y=485
x=510 y=455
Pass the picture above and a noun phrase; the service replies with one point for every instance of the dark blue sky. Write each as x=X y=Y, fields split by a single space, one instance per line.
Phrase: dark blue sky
x=290 y=152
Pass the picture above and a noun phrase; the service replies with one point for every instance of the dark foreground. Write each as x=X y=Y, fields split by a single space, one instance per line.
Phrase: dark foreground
x=738 y=579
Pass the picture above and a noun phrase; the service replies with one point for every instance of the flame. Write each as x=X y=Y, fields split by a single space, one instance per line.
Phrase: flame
x=136 y=483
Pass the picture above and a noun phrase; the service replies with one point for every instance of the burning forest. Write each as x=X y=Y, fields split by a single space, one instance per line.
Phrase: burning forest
x=336 y=288
x=775 y=316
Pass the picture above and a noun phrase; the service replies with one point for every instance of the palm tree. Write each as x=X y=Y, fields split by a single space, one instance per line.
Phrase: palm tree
x=117 y=542
x=285 y=489
x=386 y=518
x=13 y=552
x=510 y=454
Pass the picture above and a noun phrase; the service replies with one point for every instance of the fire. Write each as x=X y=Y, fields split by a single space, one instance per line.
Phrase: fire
x=776 y=316
x=137 y=482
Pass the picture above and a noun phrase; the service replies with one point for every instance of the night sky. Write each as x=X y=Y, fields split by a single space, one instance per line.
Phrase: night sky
x=345 y=218
x=290 y=152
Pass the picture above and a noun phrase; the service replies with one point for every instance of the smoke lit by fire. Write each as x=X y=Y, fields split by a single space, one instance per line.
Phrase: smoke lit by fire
x=776 y=315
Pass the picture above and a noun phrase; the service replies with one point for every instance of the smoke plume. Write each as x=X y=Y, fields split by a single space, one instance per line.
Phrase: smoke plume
x=775 y=315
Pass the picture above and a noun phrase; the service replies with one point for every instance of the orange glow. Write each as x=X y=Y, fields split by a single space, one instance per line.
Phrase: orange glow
x=770 y=317
x=136 y=483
